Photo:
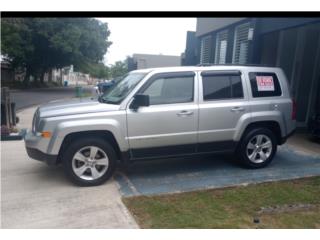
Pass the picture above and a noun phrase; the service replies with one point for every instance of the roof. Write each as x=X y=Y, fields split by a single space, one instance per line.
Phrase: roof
x=205 y=68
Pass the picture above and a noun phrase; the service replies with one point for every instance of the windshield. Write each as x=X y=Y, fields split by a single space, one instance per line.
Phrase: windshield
x=122 y=88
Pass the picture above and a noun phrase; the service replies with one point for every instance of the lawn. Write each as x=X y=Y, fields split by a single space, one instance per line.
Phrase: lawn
x=284 y=204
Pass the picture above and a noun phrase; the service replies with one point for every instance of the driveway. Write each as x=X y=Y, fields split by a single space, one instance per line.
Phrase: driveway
x=34 y=195
x=212 y=171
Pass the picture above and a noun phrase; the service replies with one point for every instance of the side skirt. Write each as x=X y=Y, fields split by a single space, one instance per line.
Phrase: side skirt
x=179 y=151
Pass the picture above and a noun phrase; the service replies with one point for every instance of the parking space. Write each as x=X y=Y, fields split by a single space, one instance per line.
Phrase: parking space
x=178 y=175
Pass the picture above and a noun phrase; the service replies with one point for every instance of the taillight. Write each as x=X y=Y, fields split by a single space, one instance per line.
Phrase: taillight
x=294 y=110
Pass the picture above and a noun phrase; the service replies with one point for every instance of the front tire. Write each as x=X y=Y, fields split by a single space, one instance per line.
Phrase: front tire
x=89 y=161
x=257 y=148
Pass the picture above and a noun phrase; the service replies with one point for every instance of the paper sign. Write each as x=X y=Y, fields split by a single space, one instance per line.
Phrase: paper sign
x=265 y=83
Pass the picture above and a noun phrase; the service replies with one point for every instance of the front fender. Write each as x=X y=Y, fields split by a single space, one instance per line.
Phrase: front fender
x=76 y=126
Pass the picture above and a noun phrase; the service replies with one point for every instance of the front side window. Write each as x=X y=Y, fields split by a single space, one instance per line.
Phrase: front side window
x=167 y=90
x=264 y=84
x=219 y=87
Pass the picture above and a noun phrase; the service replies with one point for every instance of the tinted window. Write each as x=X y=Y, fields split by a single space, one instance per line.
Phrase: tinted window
x=236 y=87
x=264 y=84
x=170 y=90
x=217 y=87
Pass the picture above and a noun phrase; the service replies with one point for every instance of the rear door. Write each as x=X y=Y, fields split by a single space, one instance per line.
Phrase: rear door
x=222 y=103
x=169 y=125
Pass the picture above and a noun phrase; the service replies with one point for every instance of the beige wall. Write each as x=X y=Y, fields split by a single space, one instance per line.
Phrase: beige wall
x=206 y=25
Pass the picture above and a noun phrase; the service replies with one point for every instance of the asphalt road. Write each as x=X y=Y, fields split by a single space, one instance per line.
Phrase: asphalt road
x=28 y=98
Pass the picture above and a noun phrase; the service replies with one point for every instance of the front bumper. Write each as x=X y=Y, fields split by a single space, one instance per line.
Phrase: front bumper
x=43 y=157
x=36 y=146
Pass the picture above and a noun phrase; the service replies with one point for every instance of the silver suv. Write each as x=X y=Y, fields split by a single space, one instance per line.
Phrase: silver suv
x=165 y=112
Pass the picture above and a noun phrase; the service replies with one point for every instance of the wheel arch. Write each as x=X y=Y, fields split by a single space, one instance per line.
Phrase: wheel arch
x=103 y=134
x=274 y=126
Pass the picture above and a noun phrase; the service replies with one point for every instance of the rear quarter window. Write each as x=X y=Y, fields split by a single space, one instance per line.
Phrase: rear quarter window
x=264 y=84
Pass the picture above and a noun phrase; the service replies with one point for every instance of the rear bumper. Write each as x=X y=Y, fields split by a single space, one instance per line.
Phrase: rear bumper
x=40 y=156
x=284 y=139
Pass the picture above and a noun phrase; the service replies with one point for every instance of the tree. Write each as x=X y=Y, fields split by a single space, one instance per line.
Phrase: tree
x=118 y=69
x=98 y=70
x=41 y=44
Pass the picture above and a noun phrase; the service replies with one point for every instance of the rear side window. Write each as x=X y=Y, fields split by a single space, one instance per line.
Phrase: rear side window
x=264 y=84
x=224 y=86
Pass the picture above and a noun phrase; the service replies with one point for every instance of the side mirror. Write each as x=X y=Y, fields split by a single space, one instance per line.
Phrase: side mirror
x=140 y=100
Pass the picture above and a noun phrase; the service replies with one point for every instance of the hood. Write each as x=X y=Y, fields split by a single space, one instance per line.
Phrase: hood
x=74 y=106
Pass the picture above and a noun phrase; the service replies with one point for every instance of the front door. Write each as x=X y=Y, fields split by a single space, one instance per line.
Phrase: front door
x=169 y=125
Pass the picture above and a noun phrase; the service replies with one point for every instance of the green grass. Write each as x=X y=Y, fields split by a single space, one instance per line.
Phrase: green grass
x=231 y=207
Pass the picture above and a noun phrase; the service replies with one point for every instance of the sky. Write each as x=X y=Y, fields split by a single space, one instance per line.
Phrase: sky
x=165 y=36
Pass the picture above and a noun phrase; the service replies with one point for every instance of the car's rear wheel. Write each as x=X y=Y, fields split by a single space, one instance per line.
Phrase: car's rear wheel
x=257 y=148
x=89 y=161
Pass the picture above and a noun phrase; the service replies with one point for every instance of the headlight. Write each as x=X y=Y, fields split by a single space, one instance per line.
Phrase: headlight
x=35 y=122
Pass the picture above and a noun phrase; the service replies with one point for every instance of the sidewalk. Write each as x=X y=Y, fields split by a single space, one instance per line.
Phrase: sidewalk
x=34 y=195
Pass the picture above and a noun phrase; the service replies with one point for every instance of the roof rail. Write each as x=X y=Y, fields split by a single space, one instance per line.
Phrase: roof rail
x=233 y=64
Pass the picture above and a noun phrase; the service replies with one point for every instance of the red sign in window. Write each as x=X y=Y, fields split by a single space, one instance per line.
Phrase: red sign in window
x=265 y=83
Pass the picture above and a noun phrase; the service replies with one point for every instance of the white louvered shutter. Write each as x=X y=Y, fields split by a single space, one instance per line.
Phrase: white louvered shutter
x=221 y=47
x=205 y=50
x=241 y=43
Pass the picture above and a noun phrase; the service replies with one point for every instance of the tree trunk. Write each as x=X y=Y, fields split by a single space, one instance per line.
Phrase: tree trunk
x=42 y=77
x=26 y=79
x=50 y=76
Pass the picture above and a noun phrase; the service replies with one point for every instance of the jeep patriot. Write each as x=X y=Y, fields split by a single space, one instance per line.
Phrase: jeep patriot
x=166 y=112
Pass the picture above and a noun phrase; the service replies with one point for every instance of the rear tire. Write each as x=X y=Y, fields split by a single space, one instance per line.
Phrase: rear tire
x=257 y=148
x=89 y=161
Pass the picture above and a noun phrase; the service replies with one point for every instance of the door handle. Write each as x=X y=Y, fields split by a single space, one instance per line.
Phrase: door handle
x=237 y=109
x=184 y=113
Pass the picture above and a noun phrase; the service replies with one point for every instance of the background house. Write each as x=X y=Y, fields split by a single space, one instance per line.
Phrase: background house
x=140 y=61
x=290 y=43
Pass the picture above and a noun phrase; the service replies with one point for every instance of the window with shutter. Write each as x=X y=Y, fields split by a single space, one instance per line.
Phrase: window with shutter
x=241 y=43
x=205 y=50
x=221 y=47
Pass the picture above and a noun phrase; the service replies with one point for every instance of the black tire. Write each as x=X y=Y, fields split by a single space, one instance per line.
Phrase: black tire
x=242 y=148
x=78 y=144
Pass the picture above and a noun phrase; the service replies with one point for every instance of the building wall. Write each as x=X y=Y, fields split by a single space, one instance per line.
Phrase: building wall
x=230 y=26
x=190 y=54
x=208 y=25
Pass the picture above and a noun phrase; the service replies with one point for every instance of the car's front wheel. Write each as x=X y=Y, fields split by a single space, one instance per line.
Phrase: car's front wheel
x=89 y=161
x=257 y=148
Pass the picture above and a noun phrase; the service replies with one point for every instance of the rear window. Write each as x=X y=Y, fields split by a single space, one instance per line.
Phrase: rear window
x=264 y=84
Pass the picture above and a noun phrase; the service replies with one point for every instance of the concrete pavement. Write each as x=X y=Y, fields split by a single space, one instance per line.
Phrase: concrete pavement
x=34 y=195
